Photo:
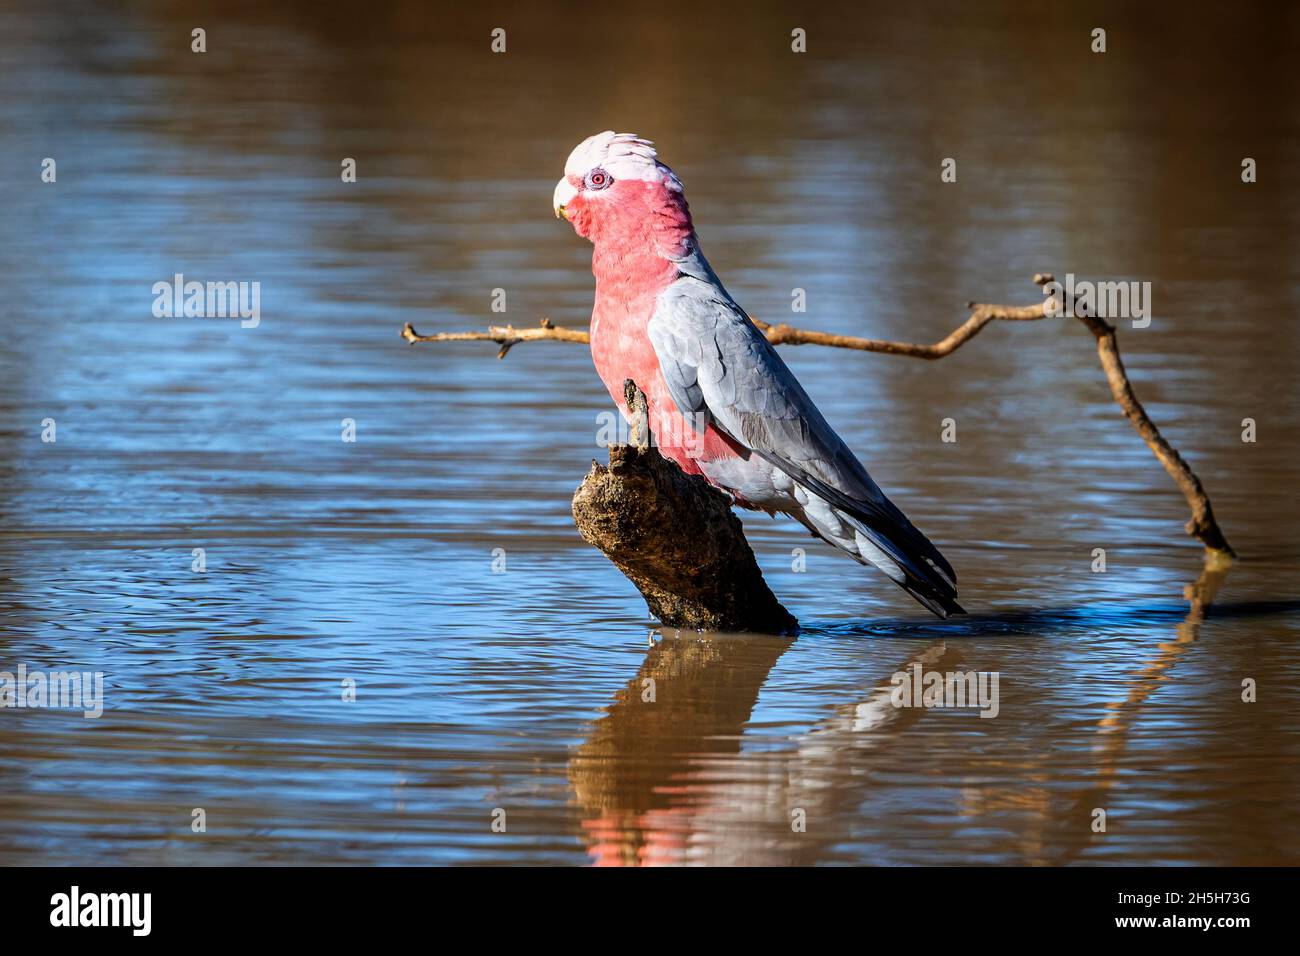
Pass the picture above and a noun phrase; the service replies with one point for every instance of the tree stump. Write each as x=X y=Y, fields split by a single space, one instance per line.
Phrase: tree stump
x=675 y=537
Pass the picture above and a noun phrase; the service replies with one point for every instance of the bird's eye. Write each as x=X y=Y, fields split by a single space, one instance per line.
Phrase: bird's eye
x=598 y=179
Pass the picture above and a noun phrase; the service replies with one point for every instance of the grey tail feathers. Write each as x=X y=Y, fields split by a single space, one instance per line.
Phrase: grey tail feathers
x=933 y=600
x=927 y=575
x=933 y=586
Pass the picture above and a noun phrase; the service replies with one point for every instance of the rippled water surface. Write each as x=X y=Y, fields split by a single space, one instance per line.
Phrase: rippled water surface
x=525 y=691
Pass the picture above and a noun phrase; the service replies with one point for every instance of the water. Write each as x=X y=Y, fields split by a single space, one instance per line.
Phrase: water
x=522 y=691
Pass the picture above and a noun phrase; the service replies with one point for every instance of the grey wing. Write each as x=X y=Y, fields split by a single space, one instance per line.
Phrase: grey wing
x=719 y=367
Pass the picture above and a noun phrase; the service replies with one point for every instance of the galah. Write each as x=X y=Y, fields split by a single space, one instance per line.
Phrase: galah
x=721 y=401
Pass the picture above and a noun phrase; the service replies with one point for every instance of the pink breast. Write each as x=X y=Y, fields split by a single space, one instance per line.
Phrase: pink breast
x=622 y=350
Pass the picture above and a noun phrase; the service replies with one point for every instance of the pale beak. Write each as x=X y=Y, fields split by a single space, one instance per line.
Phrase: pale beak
x=564 y=194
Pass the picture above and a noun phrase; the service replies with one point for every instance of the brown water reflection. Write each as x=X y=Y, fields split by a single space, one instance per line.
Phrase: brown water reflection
x=663 y=781
x=679 y=800
x=663 y=778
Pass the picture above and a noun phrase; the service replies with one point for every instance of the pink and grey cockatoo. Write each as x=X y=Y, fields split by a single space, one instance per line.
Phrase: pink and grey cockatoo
x=721 y=402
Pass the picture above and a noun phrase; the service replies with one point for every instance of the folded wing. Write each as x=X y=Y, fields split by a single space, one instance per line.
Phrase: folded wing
x=720 y=368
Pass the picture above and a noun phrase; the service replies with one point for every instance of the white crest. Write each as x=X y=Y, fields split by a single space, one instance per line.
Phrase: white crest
x=623 y=156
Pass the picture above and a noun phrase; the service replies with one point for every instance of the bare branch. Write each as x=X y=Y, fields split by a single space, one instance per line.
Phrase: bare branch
x=981 y=315
x=1202 y=524
x=504 y=335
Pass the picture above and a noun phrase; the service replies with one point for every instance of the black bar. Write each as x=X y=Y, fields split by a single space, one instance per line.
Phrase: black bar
x=948 y=905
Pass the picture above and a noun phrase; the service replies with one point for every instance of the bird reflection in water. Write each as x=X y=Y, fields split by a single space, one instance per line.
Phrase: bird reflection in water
x=662 y=778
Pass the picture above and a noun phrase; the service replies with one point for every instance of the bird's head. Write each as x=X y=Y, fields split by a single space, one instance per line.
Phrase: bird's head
x=614 y=187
